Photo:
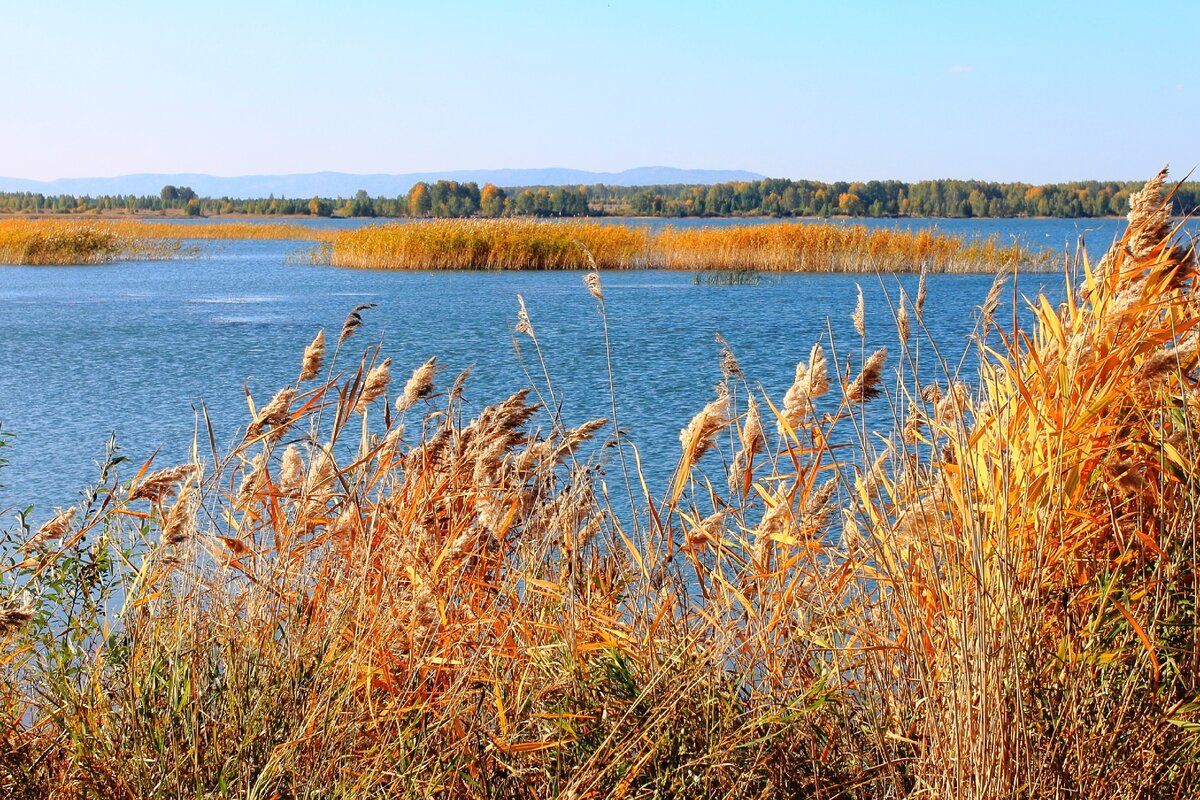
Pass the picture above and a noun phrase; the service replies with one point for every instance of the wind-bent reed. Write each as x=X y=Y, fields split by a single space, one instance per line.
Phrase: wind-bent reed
x=996 y=598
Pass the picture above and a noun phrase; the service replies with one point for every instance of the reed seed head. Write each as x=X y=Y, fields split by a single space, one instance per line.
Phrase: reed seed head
x=701 y=432
x=275 y=414
x=523 y=324
x=158 y=486
x=1149 y=217
x=314 y=356
x=592 y=282
x=922 y=292
x=291 y=476
x=354 y=321
x=376 y=384
x=55 y=528
x=12 y=618
x=859 y=316
x=902 y=325
x=419 y=386
x=180 y=522
x=866 y=385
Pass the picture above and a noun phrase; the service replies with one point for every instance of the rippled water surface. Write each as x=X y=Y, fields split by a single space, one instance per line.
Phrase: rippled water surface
x=134 y=348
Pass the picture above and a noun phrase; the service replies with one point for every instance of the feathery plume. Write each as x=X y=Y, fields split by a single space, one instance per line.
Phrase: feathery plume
x=811 y=381
x=314 y=355
x=860 y=314
x=866 y=385
x=1168 y=361
x=12 y=618
x=376 y=383
x=179 y=524
x=55 y=528
x=708 y=530
x=160 y=485
x=353 y=321
x=275 y=414
x=922 y=292
x=902 y=326
x=730 y=367
x=753 y=441
x=291 y=476
x=419 y=386
x=992 y=301
x=592 y=282
x=523 y=324
x=252 y=478
x=1149 y=217
x=700 y=434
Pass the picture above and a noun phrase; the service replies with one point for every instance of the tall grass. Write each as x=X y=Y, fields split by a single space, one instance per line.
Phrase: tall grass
x=47 y=242
x=491 y=244
x=780 y=247
x=371 y=596
x=537 y=245
x=790 y=247
x=63 y=242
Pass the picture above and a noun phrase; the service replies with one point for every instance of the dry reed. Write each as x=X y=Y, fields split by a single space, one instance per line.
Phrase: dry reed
x=1001 y=604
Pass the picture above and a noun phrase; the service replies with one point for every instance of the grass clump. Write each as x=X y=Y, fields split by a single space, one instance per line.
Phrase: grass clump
x=63 y=242
x=993 y=598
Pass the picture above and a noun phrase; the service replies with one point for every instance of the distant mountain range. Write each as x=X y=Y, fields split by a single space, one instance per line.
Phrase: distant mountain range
x=342 y=184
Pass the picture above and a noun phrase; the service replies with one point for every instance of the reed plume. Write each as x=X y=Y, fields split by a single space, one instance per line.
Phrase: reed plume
x=419 y=386
x=314 y=356
x=375 y=384
x=866 y=386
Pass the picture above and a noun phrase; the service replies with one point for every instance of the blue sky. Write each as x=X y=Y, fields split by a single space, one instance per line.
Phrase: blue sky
x=1040 y=91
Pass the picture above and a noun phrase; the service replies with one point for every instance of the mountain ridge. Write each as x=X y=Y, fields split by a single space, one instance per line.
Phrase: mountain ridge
x=345 y=184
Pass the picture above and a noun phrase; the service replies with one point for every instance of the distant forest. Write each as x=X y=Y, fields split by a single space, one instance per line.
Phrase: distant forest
x=769 y=197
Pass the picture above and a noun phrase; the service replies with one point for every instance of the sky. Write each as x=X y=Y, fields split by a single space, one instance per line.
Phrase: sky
x=1040 y=92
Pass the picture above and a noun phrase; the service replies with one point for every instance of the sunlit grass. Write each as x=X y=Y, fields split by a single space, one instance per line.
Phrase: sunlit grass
x=376 y=594
x=779 y=247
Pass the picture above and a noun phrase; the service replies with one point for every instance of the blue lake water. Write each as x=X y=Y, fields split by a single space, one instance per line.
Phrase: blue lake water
x=134 y=348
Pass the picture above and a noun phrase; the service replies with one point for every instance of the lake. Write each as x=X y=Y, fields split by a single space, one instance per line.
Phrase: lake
x=132 y=349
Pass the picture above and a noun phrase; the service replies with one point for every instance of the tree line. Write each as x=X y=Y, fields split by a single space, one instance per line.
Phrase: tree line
x=771 y=197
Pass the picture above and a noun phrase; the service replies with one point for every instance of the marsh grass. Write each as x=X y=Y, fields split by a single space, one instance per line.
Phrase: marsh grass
x=50 y=242
x=373 y=594
x=778 y=247
x=514 y=244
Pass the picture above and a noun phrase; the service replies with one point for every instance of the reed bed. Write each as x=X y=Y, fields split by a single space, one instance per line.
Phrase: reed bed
x=491 y=245
x=63 y=242
x=47 y=242
x=792 y=247
x=375 y=594
x=780 y=247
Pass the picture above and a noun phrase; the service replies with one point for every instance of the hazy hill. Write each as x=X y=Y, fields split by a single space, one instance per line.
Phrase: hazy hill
x=333 y=184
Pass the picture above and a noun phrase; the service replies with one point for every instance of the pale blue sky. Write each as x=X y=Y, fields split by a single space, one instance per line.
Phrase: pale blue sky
x=1037 y=91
